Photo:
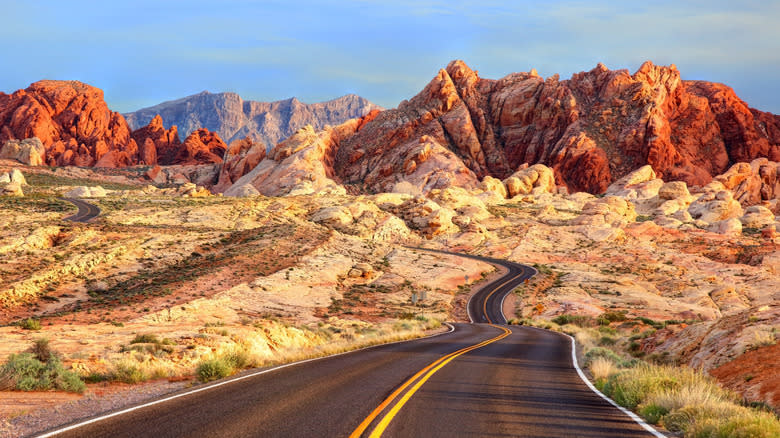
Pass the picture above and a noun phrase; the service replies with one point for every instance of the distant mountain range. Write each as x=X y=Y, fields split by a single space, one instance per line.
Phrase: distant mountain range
x=234 y=118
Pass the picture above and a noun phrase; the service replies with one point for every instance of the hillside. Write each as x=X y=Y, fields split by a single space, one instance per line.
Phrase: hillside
x=233 y=118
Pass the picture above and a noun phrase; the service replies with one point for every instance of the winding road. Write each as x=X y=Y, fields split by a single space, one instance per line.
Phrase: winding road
x=86 y=212
x=479 y=379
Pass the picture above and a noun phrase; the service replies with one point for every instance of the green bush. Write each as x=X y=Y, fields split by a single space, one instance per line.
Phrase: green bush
x=26 y=373
x=652 y=412
x=606 y=353
x=129 y=372
x=30 y=324
x=213 y=369
x=608 y=317
x=578 y=320
x=145 y=339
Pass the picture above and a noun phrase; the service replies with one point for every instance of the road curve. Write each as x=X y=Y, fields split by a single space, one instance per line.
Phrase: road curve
x=477 y=380
x=86 y=212
x=486 y=305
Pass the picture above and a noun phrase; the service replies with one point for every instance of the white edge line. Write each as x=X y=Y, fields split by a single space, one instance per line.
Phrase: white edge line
x=468 y=308
x=225 y=382
x=585 y=379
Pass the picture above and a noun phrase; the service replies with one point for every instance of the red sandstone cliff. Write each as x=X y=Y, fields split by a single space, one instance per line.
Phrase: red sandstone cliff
x=76 y=128
x=591 y=129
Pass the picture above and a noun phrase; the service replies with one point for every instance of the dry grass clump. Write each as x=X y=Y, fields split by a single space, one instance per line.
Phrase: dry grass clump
x=687 y=402
x=682 y=400
x=763 y=339
x=252 y=349
x=602 y=368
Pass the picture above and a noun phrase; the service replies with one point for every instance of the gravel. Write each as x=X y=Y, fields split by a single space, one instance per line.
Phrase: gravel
x=97 y=400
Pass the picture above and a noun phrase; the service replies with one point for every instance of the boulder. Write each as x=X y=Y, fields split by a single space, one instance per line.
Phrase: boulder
x=18 y=177
x=673 y=190
x=524 y=181
x=245 y=191
x=86 y=192
x=609 y=210
x=714 y=207
x=29 y=151
x=13 y=189
x=752 y=182
x=494 y=185
x=757 y=216
x=728 y=227
x=338 y=215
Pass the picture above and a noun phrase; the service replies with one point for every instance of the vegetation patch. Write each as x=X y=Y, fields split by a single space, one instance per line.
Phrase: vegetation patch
x=39 y=369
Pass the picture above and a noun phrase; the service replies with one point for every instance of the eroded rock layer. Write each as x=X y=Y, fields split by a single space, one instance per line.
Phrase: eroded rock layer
x=591 y=129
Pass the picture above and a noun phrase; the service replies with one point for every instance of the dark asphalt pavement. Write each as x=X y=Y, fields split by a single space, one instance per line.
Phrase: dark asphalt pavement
x=505 y=384
x=86 y=212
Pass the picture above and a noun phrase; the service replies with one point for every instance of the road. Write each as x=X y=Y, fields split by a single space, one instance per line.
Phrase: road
x=86 y=212
x=476 y=380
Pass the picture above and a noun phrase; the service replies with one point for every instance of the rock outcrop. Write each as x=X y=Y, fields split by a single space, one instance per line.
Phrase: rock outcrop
x=72 y=121
x=86 y=192
x=241 y=157
x=592 y=129
x=74 y=127
x=156 y=144
x=752 y=182
x=201 y=147
x=233 y=118
x=29 y=151
x=303 y=163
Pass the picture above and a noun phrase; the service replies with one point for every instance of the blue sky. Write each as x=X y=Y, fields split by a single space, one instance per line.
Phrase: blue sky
x=145 y=52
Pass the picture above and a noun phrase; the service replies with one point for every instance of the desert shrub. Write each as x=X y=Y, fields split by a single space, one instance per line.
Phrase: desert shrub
x=608 y=317
x=41 y=349
x=213 y=369
x=651 y=322
x=741 y=424
x=652 y=412
x=578 y=320
x=600 y=352
x=128 y=371
x=224 y=365
x=150 y=343
x=30 y=324
x=607 y=340
x=687 y=402
x=145 y=339
x=25 y=372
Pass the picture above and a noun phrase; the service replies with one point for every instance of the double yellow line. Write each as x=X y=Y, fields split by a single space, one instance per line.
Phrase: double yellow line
x=484 y=303
x=426 y=374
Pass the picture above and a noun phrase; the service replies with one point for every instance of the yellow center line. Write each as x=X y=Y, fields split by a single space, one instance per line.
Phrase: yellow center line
x=430 y=369
x=484 y=303
x=364 y=425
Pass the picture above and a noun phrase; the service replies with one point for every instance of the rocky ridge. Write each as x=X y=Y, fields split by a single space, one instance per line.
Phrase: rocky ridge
x=592 y=130
x=67 y=123
x=234 y=118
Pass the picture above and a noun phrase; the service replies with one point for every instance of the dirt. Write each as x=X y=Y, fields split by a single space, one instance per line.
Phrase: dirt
x=754 y=374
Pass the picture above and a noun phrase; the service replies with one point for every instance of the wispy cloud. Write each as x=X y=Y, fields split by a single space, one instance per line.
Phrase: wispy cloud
x=149 y=51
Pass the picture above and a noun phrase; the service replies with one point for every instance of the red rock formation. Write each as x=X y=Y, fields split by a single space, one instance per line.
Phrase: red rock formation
x=242 y=156
x=72 y=121
x=591 y=129
x=201 y=147
x=156 y=143
x=76 y=128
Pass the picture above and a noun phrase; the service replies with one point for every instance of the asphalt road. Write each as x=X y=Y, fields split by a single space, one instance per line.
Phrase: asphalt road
x=480 y=380
x=86 y=212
